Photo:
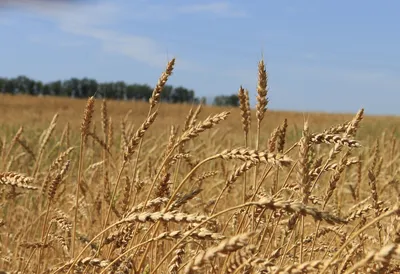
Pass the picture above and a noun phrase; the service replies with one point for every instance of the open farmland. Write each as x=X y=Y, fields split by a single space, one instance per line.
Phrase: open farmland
x=136 y=187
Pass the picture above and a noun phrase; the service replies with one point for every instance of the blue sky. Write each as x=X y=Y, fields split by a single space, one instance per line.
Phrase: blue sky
x=334 y=56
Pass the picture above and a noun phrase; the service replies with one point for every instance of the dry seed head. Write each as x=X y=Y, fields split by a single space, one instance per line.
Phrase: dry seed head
x=383 y=255
x=209 y=123
x=134 y=142
x=151 y=203
x=62 y=241
x=303 y=170
x=126 y=195
x=272 y=140
x=188 y=120
x=87 y=117
x=62 y=221
x=89 y=261
x=27 y=148
x=247 y=97
x=124 y=136
x=330 y=167
x=262 y=90
x=225 y=247
x=176 y=261
x=163 y=188
x=240 y=171
x=57 y=180
x=171 y=141
x=240 y=257
x=104 y=117
x=33 y=245
x=375 y=156
x=185 y=198
x=99 y=141
x=110 y=134
x=282 y=136
x=245 y=154
x=67 y=130
x=244 y=108
x=155 y=97
x=195 y=115
x=167 y=217
x=341 y=128
x=300 y=208
x=16 y=180
x=201 y=234
x=14 y=140
x=355 y=123
x=48 y=133
x=357 y=214
x=54 y=166
x=333 y=139
x=18 y=134
x=374 y=192
x=336 y=176
x=306 y=267
x=199 y=180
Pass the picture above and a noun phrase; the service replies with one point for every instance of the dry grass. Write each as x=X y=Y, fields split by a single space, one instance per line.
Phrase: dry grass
x=135 y=187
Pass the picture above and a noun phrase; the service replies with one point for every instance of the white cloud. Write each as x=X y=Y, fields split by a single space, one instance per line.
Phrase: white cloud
x=169 y=10
x=219 y=8
x=98 y=21
x=49 y=40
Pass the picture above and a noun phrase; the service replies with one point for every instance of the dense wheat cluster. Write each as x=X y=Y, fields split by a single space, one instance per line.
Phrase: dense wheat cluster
x=112 y=196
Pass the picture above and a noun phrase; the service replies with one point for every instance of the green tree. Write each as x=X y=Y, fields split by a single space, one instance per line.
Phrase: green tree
x=38 y=87
x=181 y=94
x=167 y=93
x=56 y=88
x=11 y=86
x=3 y=83
x=85 y=87
x=224 y=100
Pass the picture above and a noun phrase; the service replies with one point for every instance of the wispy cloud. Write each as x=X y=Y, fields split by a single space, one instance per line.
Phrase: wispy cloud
x=170 y=10
x=49 y=40
x=218 y=8
x=99 y=21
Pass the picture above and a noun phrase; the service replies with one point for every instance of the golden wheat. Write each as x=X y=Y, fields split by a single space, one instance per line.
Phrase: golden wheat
x=165 y=193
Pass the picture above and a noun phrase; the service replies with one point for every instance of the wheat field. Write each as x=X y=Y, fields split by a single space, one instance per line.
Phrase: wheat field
x=102 y=186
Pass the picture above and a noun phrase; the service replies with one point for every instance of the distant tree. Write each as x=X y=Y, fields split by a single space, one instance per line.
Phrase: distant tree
x=224 y=100
x=47 y=90
x=38 y=87
x=106 y=89
x=181 y=94
x=56 y=88
x=93 y=86
x=11 y=86
x=23 y=85
x=83 y=88
x=75 y=87
x=66 y=87
x=166 y=93
x=144 y=92
x=119 y=89
x=3 y=82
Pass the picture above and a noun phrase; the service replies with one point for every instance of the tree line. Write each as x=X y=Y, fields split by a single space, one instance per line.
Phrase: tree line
x=83 y=88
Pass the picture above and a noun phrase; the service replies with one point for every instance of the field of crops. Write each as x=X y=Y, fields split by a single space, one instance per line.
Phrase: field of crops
x=102 y=186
